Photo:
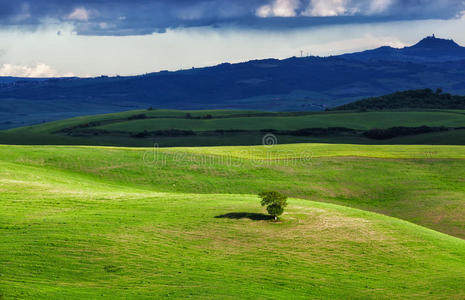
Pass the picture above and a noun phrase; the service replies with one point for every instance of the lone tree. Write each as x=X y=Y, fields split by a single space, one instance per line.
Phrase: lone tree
x=274 y=202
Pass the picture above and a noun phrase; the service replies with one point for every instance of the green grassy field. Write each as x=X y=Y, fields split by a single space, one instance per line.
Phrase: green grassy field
x=96 y=222
x=366 y=120
x=118 y=129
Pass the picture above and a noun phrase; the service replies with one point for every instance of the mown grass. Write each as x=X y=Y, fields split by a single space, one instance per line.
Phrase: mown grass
x=94 y=223
x=422 y=184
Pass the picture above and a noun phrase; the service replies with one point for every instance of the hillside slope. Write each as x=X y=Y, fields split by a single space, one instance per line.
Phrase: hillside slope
x=422 y=184
x=79 y=223
x=417 y=99
x=232 y=127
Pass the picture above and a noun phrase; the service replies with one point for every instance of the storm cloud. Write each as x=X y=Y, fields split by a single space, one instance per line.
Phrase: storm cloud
x=140 y=17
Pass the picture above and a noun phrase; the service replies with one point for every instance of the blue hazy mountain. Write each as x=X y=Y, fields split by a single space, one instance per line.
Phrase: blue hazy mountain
x=430 y=49
x=297 y=83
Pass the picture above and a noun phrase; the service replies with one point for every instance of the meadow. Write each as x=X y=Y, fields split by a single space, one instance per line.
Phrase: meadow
x=105 y=222
x=232 y=127
x=354 y=120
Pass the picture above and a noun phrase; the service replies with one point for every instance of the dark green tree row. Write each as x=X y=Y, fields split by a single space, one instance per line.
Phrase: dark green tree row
x=425 y=98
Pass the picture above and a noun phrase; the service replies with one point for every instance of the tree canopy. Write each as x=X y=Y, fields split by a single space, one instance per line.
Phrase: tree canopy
x=275 y=203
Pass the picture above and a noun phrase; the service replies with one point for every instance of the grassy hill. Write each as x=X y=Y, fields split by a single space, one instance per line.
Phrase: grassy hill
x=93 y=222
x=386 y=179
x=230 y=127
x=413 y=99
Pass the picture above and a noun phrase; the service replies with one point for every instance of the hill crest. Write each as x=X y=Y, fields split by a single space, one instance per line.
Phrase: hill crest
x=432 y=42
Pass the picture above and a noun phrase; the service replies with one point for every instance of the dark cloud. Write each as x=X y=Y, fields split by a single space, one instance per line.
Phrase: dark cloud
x=136 y=17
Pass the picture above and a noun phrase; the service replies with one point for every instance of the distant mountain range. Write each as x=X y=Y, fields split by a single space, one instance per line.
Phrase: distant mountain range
x=304 y=83
x=430 y=49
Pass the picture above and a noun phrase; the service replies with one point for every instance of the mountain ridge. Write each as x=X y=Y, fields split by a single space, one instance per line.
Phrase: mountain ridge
x=429 y=49
x=292 y=84
x=434 y=42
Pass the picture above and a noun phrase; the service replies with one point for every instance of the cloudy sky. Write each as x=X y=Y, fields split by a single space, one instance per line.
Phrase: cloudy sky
x=93 y=37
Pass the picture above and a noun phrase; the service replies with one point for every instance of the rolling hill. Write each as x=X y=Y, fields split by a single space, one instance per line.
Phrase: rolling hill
x=418 y=99
x=293 y=84
x=232 y=127
x=93 y=222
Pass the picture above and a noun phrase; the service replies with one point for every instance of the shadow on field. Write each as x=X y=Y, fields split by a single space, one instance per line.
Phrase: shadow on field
x=245 y=215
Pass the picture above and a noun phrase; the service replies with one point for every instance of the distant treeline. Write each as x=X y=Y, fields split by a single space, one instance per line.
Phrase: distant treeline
x=79 y=126
x=424 y=98
x=313 y=131
x=389 y=133
x=378 y=134
x=166 y=133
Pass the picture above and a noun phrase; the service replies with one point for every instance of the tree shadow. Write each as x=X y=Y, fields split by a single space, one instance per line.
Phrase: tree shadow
x=245 y=215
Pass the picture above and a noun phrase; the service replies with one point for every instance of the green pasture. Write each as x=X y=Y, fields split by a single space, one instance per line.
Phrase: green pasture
x=128 y=223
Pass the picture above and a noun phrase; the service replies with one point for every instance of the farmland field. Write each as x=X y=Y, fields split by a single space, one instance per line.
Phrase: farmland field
x=100 y=222
x=230 y=127
x=351 y=120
